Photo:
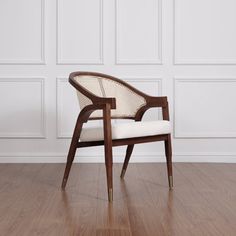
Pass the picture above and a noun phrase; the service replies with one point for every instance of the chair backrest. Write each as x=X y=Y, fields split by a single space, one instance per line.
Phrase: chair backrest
x=128 y=99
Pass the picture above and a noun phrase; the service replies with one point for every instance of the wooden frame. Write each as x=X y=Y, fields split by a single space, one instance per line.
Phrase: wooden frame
x=106 y=105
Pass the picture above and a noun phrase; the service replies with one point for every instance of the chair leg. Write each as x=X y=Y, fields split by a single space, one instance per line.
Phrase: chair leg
x=71 y=153
x=168 y=152
x=108 y=149
x=109 y=167
x=129 y=151
x=70 y=159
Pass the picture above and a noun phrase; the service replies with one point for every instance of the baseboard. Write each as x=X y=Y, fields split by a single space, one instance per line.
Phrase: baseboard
x=138 y=158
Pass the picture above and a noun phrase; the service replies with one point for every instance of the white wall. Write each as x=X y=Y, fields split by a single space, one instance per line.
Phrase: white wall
x=184 y=49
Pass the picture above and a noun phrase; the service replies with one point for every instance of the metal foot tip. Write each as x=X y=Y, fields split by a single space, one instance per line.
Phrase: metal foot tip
x=63 y=185
x=122 y=175
x=110 y=195
x=171 y=185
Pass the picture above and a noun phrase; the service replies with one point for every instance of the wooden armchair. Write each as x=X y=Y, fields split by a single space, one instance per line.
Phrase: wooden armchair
x=105 y=97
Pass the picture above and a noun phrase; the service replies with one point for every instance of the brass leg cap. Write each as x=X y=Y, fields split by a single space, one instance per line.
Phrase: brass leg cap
x=63 y=185
x=122 y=175
x=110 y=195
x=171 y=185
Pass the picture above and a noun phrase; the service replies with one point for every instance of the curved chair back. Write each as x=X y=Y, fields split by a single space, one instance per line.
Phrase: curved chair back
x=91 y=85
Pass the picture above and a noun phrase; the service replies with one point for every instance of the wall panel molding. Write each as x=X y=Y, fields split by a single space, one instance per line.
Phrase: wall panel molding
x=91 y=61
x=184 y=49
x=148 y=157
x=59 y=109
x=177 y=60
x=42 y=130
x=119 y=60
x=178 y=133
x=41 y=60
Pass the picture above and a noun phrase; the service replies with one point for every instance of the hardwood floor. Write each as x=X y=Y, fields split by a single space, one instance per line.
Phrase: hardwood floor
x=203 y=201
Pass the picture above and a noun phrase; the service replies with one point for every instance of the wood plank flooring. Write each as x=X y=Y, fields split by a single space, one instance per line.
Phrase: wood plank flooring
x=203 y=201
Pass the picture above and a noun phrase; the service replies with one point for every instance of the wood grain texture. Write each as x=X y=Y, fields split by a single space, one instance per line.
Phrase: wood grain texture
x=201 y=203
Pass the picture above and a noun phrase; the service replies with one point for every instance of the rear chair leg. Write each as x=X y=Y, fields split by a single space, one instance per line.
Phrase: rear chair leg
x=168 y=152
x=129 y=151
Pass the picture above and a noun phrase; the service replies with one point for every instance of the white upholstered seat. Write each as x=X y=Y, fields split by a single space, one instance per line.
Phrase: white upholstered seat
x=127 y=130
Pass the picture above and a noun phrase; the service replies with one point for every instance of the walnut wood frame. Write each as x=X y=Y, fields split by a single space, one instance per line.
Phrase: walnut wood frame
x=106 y=104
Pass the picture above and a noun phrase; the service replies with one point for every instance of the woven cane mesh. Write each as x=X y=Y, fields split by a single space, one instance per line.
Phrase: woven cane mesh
x=127 y=101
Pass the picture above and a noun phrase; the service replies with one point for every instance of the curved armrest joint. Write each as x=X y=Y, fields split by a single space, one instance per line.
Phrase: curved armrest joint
x=151 y=103
x=103 y=101
x=157 y=101
x=99 y=104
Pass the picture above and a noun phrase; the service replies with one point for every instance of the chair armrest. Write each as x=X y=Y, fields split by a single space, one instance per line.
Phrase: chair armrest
x=97 y=101
x=101 y=105
x=156 y=101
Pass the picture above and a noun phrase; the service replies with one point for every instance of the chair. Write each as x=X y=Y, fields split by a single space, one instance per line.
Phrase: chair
x=105 y=97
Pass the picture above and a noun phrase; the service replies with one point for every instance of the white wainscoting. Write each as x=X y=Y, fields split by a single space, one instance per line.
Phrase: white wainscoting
x=80 y=32
x=67 y=108
x=22 y=108
x=183 y=49
x=138 y=32
x=22 y=32
x=204 y=32
x=203 y=108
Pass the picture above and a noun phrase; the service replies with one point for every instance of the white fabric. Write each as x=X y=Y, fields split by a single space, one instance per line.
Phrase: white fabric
x=127 y=101
x=128 y=130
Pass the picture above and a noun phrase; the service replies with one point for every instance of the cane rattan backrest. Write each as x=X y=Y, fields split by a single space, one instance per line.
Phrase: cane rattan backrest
x=128 y=101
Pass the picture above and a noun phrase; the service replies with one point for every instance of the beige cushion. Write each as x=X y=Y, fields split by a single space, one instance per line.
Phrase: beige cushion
x=128 y=130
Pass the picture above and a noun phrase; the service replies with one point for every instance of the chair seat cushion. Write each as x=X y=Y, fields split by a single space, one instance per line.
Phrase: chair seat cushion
x=128 y=130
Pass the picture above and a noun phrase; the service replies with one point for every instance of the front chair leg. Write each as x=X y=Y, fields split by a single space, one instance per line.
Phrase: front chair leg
x=108 y=149
x=129 y=151
x=72 y=151
x=70 y=159
x=109 y=167
x=168 y=152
